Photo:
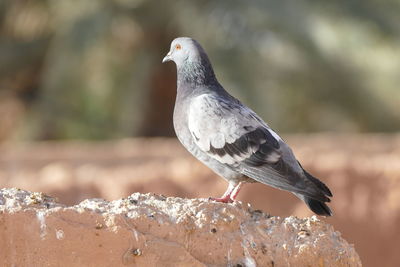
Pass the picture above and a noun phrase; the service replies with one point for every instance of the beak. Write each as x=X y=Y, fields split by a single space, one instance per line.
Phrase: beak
x=167 y=57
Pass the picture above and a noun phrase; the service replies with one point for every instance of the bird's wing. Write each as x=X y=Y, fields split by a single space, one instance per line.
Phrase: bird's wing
x=235 y=136
x=230 y=132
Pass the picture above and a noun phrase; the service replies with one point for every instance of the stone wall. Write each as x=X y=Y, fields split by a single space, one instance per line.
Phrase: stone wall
x=363 y=172
x=153 y=230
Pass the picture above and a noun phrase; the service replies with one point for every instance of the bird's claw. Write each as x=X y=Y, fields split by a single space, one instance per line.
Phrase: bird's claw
x=226 y=199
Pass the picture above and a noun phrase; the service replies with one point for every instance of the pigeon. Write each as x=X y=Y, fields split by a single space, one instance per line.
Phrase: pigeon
x=229 y=137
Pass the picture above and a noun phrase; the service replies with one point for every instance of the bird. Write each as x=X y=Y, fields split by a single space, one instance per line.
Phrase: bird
x=229 y=137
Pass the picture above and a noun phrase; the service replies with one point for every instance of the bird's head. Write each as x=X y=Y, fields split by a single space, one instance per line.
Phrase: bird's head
x=193 y=65
x=184 y=49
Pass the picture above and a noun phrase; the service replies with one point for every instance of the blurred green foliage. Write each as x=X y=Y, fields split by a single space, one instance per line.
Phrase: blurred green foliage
x=92 y=69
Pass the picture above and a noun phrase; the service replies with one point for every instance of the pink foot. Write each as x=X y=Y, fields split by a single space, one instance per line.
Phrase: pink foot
x=226 y=199
x=230 y=194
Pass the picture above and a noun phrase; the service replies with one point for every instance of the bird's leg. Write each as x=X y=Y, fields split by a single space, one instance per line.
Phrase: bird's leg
x=226 y=197
x=236 y=190
x=230 y=194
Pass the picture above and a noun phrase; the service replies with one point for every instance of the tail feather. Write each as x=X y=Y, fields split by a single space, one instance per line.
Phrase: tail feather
x=318 y=207
x=318 y=183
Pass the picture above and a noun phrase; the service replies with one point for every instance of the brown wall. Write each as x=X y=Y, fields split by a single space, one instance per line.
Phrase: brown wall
x=363 y=172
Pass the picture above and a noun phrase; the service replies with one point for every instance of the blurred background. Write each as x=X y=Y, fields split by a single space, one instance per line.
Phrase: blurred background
x=82 y=90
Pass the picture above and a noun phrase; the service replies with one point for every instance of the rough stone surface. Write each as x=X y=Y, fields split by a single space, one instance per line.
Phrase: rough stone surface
x=363 y=171
x=153 y=230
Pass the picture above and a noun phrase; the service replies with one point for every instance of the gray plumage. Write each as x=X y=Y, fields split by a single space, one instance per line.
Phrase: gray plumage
x=229 y=137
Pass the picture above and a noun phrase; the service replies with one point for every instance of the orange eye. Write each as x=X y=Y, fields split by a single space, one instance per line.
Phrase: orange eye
x=178 y=47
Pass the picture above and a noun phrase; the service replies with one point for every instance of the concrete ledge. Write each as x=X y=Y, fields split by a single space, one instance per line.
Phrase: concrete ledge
x=152 y=230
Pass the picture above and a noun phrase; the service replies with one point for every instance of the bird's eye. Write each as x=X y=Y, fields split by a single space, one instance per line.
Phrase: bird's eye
x=178 y=47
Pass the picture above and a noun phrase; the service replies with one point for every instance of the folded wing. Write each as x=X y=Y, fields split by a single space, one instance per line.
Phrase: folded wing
x=235 y=136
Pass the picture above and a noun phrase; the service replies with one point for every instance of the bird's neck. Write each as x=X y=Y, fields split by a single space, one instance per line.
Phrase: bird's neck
x=196 y=73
